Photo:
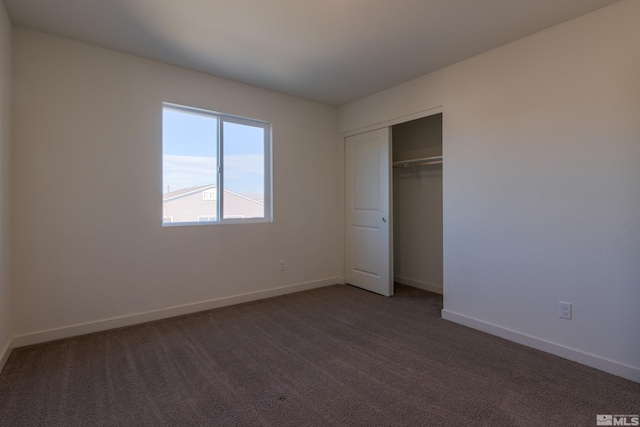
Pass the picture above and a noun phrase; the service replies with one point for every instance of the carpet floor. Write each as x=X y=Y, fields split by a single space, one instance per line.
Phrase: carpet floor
x=334 y=356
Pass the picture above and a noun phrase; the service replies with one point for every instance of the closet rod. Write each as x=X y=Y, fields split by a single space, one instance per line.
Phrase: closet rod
x=435 y=160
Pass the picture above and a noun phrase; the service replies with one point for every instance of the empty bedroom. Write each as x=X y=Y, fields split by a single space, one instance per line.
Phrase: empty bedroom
x=362 y=212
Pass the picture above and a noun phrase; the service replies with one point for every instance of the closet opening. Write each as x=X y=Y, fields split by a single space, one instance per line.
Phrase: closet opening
x=417 y=203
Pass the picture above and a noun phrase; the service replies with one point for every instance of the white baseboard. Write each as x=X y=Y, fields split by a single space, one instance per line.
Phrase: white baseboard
x=611 y=366
x=133 y=319
x=4 y=355
x=417 y=284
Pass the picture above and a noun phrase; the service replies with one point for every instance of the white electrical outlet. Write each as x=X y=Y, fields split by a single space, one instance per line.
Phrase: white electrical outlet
x=282 y=266
x=564 y=310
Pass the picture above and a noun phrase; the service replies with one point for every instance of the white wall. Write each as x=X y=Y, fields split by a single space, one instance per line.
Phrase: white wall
x=5 y=135
x=88 y=240
x=541 y=185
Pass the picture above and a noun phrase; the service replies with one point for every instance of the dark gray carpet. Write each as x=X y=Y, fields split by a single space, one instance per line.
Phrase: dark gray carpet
x=332 y=356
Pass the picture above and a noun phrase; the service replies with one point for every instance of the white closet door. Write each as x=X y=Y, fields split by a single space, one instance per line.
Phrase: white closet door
x=368 y=233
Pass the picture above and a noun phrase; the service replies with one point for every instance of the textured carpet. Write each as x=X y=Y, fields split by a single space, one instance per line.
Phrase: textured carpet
x=331 y=356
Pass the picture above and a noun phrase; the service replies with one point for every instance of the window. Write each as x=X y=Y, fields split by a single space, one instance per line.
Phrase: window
x=216 y=168
x=209 y=195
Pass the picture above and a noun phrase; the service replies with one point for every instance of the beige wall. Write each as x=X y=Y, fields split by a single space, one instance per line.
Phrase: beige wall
x=541 y=185
x=89 y=245
x=189 y=207
x=5 y=134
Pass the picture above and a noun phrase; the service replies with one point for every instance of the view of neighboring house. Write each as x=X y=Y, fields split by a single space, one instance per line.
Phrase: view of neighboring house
x=198 y=204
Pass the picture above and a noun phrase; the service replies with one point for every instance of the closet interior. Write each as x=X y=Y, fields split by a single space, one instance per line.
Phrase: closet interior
x=417 y=203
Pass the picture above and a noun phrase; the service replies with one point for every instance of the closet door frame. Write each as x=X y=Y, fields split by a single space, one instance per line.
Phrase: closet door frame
x=381 y=125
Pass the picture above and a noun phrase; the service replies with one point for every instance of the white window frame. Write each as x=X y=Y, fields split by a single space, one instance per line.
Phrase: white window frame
x=210 y=195
x=268 y=181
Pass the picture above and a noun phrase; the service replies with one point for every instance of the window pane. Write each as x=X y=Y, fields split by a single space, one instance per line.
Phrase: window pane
x=189 y=178
x=243 y=171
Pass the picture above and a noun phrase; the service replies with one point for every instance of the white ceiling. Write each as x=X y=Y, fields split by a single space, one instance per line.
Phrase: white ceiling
x=331 y=51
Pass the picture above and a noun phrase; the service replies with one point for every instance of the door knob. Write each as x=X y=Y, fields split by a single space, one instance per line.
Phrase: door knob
x=384 y=219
